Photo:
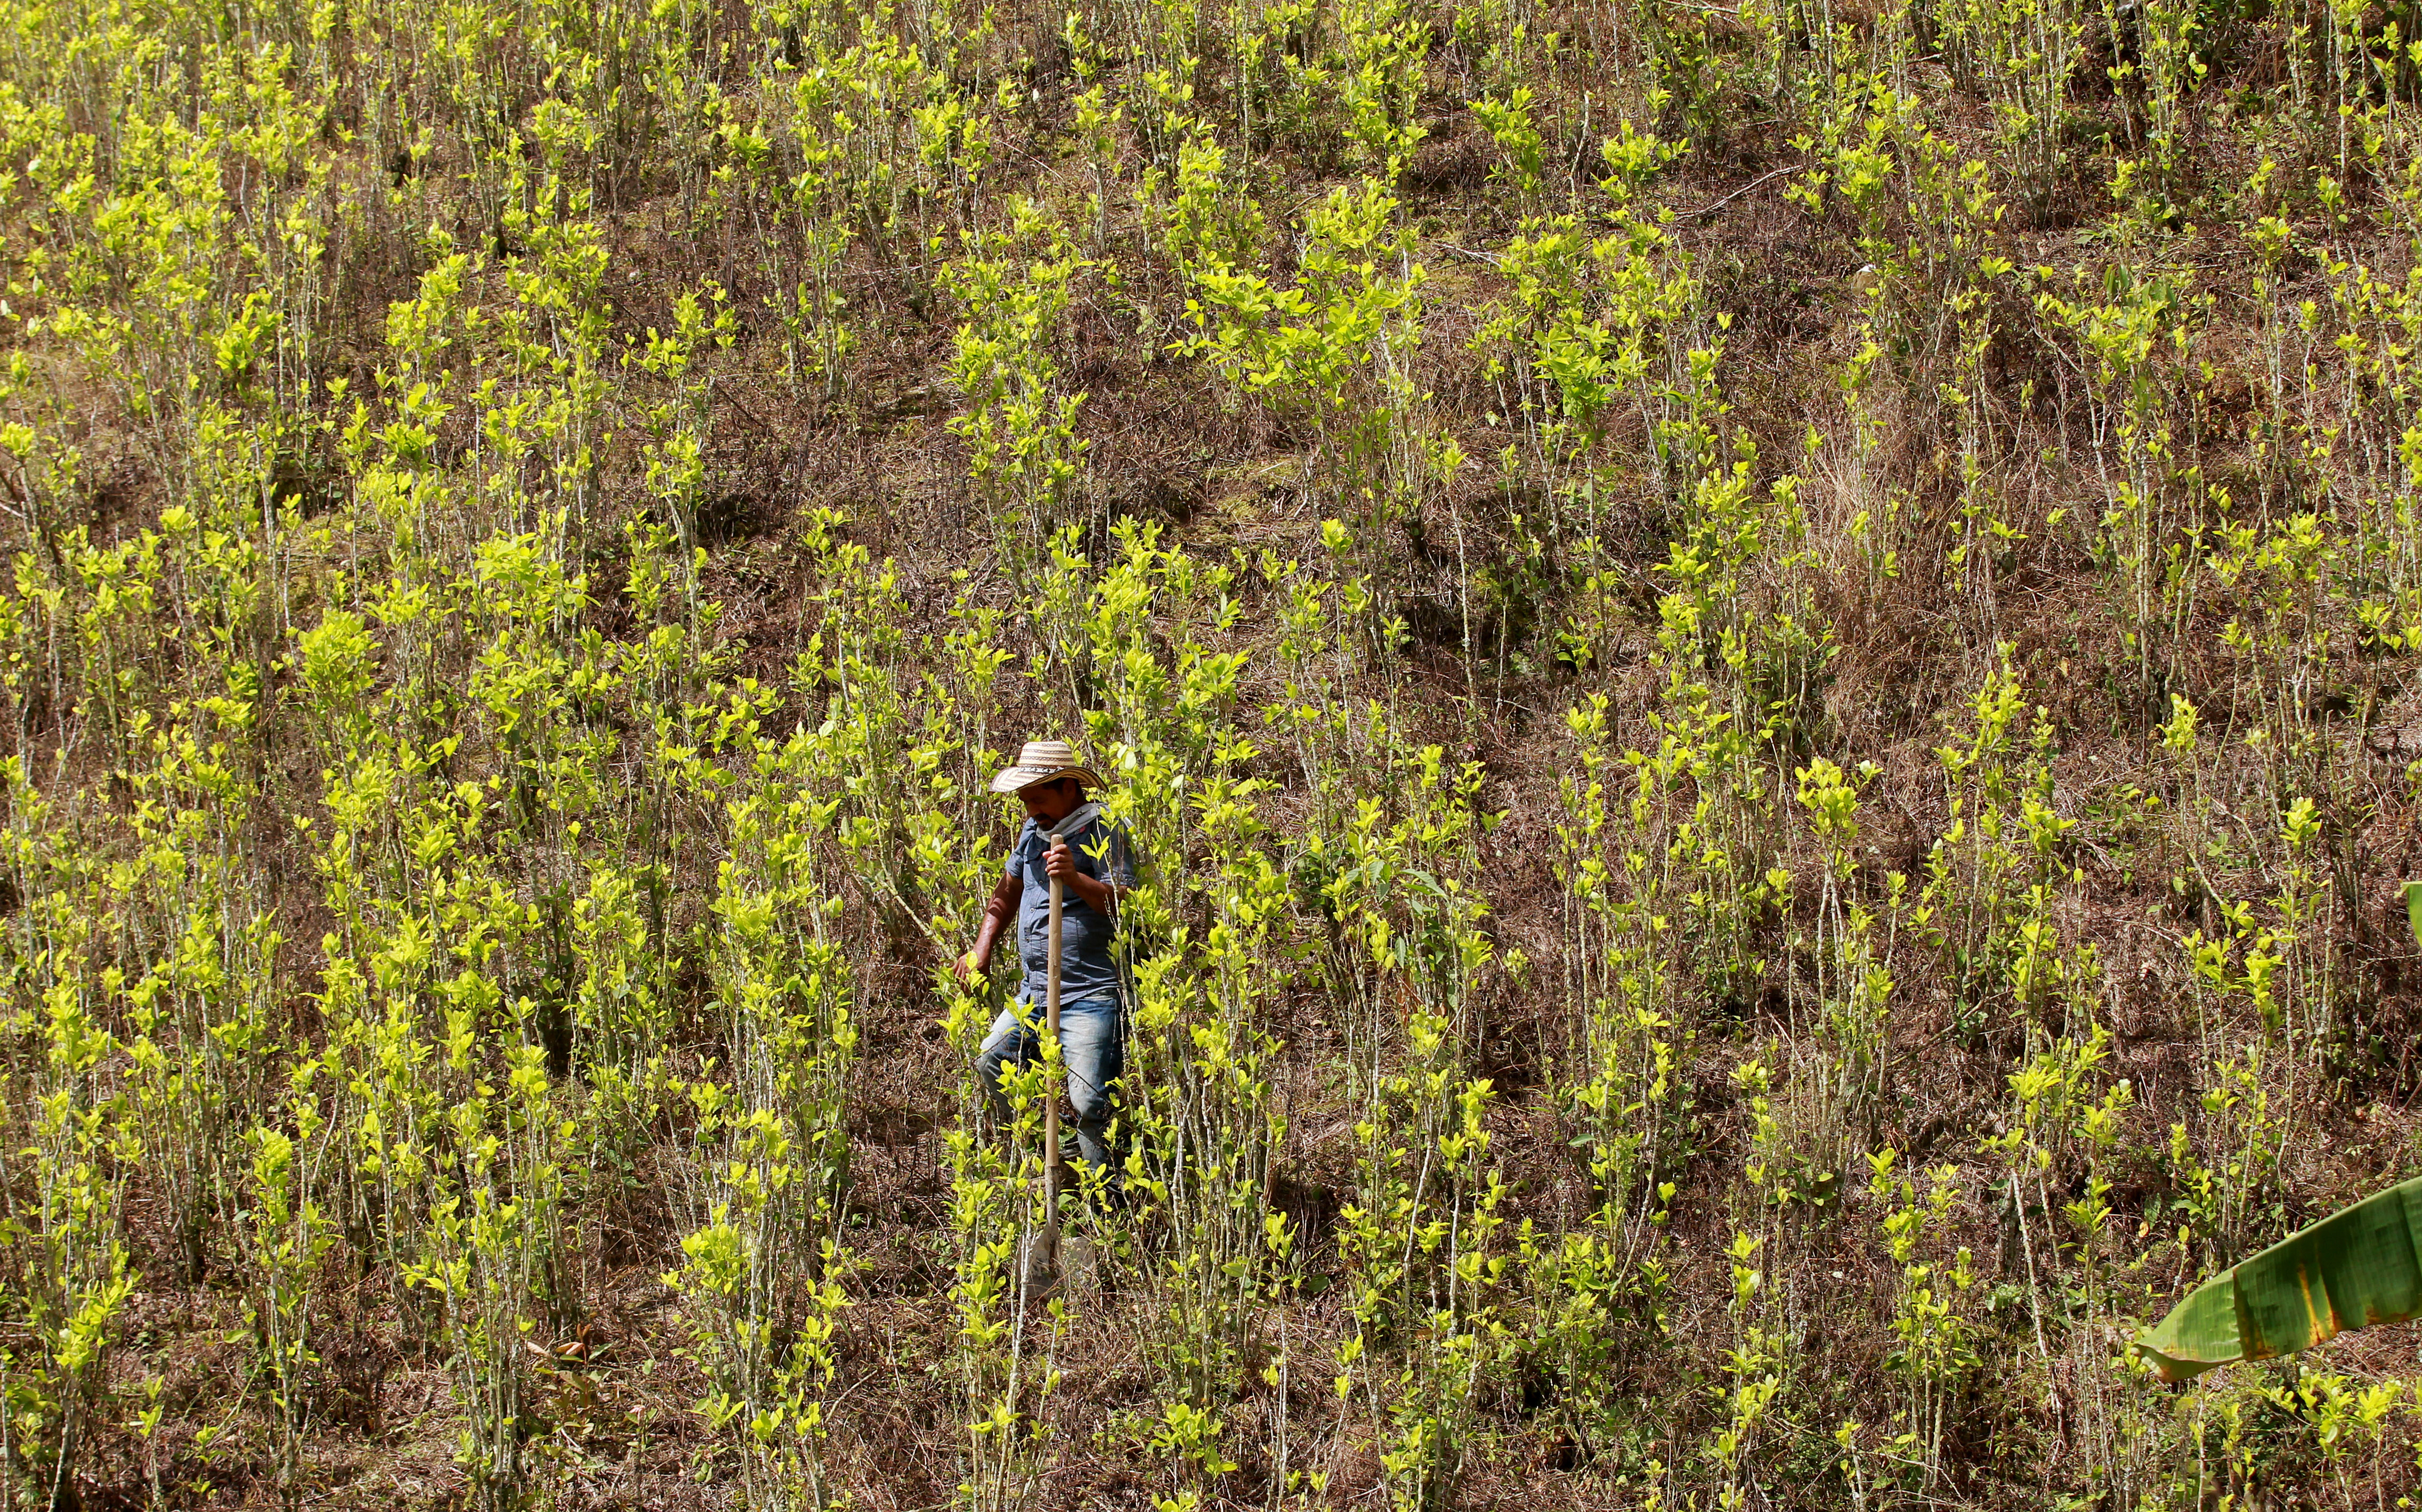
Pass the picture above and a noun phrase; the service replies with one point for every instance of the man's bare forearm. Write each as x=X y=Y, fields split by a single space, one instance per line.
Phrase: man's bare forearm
x=996 y=919
x=997 y=914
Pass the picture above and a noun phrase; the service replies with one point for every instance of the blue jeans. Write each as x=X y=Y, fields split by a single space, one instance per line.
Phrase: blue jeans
x=1093 y=1046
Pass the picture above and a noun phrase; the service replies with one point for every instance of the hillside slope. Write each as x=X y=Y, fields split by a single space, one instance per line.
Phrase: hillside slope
x=1764 y=658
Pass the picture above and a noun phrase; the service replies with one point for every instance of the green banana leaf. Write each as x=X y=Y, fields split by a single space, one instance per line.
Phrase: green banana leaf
x=2413 y=908
x=2358 y=1267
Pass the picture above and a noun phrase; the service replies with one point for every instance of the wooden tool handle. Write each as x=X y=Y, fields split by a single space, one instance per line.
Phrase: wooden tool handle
x=1051 y=1033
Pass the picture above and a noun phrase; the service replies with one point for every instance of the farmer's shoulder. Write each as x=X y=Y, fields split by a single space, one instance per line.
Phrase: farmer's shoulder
x=1028 y=845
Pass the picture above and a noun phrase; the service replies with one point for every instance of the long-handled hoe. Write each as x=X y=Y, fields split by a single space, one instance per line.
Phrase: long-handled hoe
x=1039 y=1277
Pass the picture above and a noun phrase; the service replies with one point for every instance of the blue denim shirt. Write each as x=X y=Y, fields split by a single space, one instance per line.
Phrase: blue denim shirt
x=1086 y=969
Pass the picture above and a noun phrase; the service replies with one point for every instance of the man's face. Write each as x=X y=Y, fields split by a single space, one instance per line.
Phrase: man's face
x=1048 y=803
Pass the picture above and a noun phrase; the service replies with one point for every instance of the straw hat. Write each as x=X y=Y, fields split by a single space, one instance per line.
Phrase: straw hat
x=1045 y=761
